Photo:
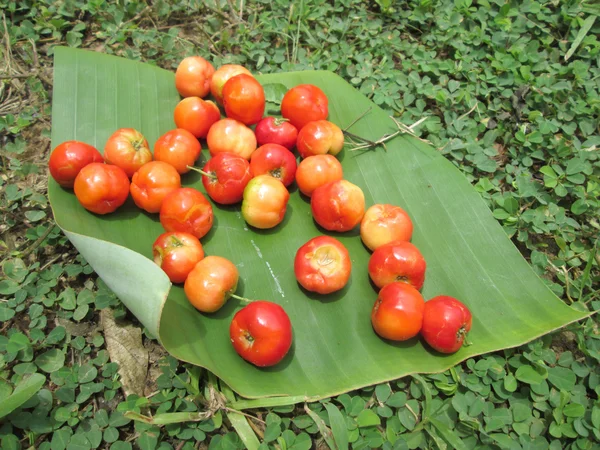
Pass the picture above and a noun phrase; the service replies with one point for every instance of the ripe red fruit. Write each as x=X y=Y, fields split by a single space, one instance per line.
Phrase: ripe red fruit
x=397 y=261
x=338 y=205
x=384 y=223
x=151 y=184
x=446 y=322
x=211 y=283
x=304 y=103
x=186 y=209
x=177 y=253
x=323 y=265
x=128 y=149
x=398 y=312
x=68 y=158
x=320 y=137
x=101 y=188
x=225 y=177
x=196 y=116
x=261 y=333
x=271 y=130
x=244 y=99
x=178 y=148
x=221 y=76
x=316 y=171
x=274 y=160
x=193 y=77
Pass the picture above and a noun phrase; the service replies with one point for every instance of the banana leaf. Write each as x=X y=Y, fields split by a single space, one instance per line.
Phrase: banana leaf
x=335 y=350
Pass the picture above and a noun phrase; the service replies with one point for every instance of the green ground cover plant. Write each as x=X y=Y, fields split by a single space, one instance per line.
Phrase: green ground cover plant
x=510 y=94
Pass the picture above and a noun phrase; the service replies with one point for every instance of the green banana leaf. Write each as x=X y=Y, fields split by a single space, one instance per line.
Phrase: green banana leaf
x=335 y=349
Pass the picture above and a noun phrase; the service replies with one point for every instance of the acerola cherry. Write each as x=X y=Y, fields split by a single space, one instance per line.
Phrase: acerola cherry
x=446 y=322
x=69 y=158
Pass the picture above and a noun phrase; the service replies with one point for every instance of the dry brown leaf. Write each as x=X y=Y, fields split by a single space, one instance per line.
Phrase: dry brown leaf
x=125 y=347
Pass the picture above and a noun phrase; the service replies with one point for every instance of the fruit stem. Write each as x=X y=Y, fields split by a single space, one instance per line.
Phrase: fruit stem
x=462 y=332
x=206 y=174
x=242 y=299
x=278 y=121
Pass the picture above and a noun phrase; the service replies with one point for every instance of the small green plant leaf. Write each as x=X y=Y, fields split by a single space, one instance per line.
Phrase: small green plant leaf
x=26 y=389
x=528 y=374
x=51 y=361
x=338 y=426
x=274 y=92
x=367 y=418
x=448 y=435
x=588 y=23
x=574 y=410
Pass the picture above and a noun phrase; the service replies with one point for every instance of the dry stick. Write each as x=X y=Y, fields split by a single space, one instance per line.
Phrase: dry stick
x=467 y=113
x=237 y=411
x=412 y=411
x=231 y=7
x=367 y=144
x=49 y=263
x=36 y=244
x=11 y=77
x=591 y=298
x=241 y=10
x=354 y=136
x=563 y=269
x=211 y=41
x=566 y=272
x=137 y=16
x=36 y=61
x=256 y=429
x=358 y=118
x=409 y=130
x=7 y=40
x=220 y=12
x=381 y=141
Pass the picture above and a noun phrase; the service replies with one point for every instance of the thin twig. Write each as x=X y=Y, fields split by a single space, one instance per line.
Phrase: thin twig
x=409 y=130
x=220 y=13
x=7 y=41
x=164 y=27
x=231 y=7
x=36 y=61
x=236 y=411
x=467 y=113
x=49 y=263
x=597 y=294
x=416 y=124
x=19 y=75
x=256 y=429
x=564 y=270
x=38 y=242
x=567 y=285
x=358 y=118
x=354 y=136
x=33 y=246
x=412 y=411
x=380 y=141
x=211 y=41
x=241 y=10
x=137 y=16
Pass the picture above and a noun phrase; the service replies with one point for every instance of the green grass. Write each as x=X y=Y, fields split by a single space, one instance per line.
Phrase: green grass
x=511 y=96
